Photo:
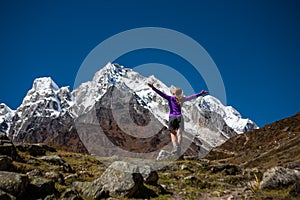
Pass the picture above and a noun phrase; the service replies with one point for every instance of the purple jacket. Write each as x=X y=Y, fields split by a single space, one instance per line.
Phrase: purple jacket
x=175 y=108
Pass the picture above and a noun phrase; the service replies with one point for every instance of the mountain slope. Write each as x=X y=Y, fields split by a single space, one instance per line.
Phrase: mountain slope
x=276 y=144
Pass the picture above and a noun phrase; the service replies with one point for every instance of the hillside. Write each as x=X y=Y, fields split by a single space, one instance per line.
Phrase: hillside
x=276 y=144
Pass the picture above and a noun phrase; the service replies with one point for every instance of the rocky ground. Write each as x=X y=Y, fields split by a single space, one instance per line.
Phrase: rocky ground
x=36 y=171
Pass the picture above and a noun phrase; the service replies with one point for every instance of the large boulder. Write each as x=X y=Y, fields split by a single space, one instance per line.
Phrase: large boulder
x=279 y=177
x=120 y=178
x=13 y=183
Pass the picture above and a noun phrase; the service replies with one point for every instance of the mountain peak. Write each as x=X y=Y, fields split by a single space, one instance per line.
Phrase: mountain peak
x=43 y=87
x=44 y=83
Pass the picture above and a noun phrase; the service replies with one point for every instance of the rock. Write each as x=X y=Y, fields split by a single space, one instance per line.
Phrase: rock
x=70 y=178
x=35 y=149
x=6 y=196
x=120 y=178
x=34 y=173
x=5 y=163
x=165 y=155
x=55 y=176
x=13 y=183
x=40 y=187
x=70 y=194
x=57 y=160
x=278 y=177
x=91 y=190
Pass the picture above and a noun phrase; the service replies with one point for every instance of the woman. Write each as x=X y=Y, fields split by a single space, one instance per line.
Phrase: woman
x=176 y=123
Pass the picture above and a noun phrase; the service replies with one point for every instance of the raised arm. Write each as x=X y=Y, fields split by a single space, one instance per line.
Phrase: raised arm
x=163 y=95
x=188 y=98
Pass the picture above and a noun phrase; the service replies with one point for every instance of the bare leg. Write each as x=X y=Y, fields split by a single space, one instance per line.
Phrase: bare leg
x=179 y=136
x=174 y=137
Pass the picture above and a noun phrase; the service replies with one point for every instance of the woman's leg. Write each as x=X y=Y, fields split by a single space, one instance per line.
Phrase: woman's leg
x=174 y=138
x=179 y=136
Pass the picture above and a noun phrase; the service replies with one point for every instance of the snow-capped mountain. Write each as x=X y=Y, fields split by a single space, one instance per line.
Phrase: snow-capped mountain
x=48 y=111
x=221 y=122
x=231 y=116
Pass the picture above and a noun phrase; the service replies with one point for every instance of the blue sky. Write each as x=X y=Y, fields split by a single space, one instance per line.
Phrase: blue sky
x=254 y=44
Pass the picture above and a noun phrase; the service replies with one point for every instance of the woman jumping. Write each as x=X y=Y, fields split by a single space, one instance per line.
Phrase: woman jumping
x=176 y=123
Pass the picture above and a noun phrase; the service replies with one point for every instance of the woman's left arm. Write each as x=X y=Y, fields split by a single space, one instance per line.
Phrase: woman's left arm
x=188 y=98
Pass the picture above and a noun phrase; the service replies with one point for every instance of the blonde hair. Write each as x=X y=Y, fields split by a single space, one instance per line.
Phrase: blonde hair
x=178 y=95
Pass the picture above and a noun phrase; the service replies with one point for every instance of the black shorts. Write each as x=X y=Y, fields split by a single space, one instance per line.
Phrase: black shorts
x=176 y=122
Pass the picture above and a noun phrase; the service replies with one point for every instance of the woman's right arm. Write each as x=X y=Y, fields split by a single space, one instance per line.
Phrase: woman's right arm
x=163 y=95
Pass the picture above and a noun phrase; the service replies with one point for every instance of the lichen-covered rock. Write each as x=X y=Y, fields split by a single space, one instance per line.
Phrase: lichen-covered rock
x=13 y=183
x=57 y=160
x=120 y=178
x=279 y=177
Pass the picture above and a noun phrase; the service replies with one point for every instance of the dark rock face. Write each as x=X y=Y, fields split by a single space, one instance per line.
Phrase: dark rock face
x=59 y=132
x=111 y=126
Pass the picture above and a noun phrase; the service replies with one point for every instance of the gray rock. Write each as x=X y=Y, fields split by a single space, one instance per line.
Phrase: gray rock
x=164 y=155
x=279 y=177
x=34 y=173
x=121 y=178
x=13 y=183
x=5 y=163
